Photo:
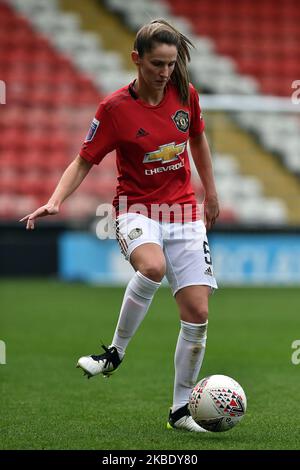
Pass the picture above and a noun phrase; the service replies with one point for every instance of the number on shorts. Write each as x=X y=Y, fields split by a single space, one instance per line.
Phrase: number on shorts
x=208 y=259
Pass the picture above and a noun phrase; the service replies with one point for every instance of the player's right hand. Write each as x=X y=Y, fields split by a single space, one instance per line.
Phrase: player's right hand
x=47 y=209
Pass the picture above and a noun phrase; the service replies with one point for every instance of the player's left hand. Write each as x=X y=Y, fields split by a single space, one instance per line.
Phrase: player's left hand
x=211 y=211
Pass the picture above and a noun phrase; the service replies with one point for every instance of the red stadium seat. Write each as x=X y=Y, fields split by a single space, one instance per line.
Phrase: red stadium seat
x=263 y=37
x=40 y=133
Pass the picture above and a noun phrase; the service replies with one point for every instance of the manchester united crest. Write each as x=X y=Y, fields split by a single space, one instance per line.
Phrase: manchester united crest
x=135 y=233
x=181 y=120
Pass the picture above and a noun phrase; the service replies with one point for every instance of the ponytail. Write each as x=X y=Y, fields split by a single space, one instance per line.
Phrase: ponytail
x=160 y=31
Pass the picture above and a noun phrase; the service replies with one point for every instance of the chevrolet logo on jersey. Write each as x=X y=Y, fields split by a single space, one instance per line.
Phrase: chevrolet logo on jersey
x=165 y=154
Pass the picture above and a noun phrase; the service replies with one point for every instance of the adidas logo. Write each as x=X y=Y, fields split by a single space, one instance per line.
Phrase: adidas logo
x=141 y=132
x=208 y=271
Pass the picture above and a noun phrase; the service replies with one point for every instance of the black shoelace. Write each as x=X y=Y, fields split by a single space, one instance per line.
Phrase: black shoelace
x=110 y=356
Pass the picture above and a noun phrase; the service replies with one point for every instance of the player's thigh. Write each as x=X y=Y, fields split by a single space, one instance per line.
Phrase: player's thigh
x=141 y=243
x=188 y=259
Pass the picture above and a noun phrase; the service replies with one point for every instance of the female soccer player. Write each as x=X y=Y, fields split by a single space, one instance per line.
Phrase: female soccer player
x=149 y=123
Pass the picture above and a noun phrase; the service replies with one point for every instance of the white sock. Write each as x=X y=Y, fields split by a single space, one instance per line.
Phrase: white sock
x=188 y=359
x=137 y=299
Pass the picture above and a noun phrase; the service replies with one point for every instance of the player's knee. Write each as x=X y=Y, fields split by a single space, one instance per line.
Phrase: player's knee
x=154 y=271
x=200 y=315
x=197 y=313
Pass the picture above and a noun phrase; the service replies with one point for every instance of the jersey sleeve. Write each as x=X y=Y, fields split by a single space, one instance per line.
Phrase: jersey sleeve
x=101 y=137
x=197 y=124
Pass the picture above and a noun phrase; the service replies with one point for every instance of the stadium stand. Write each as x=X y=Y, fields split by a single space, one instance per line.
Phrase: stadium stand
x=262 y=36
x=262 y=39
x=216 y=73
x=50 y=104
x=57 y=75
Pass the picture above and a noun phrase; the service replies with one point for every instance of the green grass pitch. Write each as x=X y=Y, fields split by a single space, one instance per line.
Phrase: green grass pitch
x=46 y=403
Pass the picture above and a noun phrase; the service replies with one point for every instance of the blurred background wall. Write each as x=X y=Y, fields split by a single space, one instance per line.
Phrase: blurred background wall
x=58 y=58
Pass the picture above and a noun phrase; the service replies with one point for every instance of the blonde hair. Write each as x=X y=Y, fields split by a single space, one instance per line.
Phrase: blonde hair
x=160 y=31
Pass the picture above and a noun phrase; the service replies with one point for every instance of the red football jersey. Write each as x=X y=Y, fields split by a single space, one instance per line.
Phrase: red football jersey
x=151 y=148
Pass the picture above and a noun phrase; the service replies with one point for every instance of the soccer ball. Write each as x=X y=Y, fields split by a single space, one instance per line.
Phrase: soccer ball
x=217 y=403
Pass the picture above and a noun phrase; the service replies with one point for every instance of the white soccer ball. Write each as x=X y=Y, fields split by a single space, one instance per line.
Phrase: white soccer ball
x=217 y=403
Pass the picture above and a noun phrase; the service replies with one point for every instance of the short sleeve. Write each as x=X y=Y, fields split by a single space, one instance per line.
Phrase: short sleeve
x=197 y=124
x=101 y=137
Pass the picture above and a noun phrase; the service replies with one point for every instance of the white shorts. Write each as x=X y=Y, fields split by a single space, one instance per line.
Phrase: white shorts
x=185 y=247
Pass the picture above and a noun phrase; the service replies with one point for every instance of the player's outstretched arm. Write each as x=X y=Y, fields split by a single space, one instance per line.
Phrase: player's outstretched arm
x=70 y=180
